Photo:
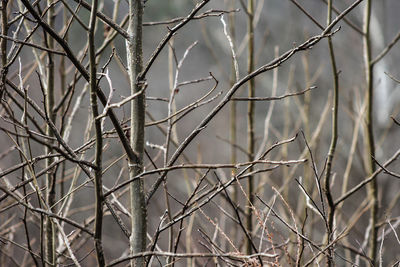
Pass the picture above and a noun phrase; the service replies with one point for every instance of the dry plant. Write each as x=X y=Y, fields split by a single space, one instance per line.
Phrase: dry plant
x=118 y=147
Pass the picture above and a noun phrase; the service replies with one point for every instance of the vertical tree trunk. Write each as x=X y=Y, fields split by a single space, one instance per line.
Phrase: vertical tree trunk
x=98 y=185
x=369 y=133
x=233 y=112
x=250 y=122
x=332 y=148
x=137 y=194
x=63 y=78
x=50 y=176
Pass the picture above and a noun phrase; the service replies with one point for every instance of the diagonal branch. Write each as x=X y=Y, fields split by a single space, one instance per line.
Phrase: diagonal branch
x=269 y=66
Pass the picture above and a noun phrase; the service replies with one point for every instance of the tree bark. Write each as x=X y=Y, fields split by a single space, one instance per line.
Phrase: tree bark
x=137 y=194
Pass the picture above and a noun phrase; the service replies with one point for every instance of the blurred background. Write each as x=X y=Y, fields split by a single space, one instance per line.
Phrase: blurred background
x=279 y=25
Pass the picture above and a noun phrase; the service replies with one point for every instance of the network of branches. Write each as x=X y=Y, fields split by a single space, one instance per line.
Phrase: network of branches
x=199 y=133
